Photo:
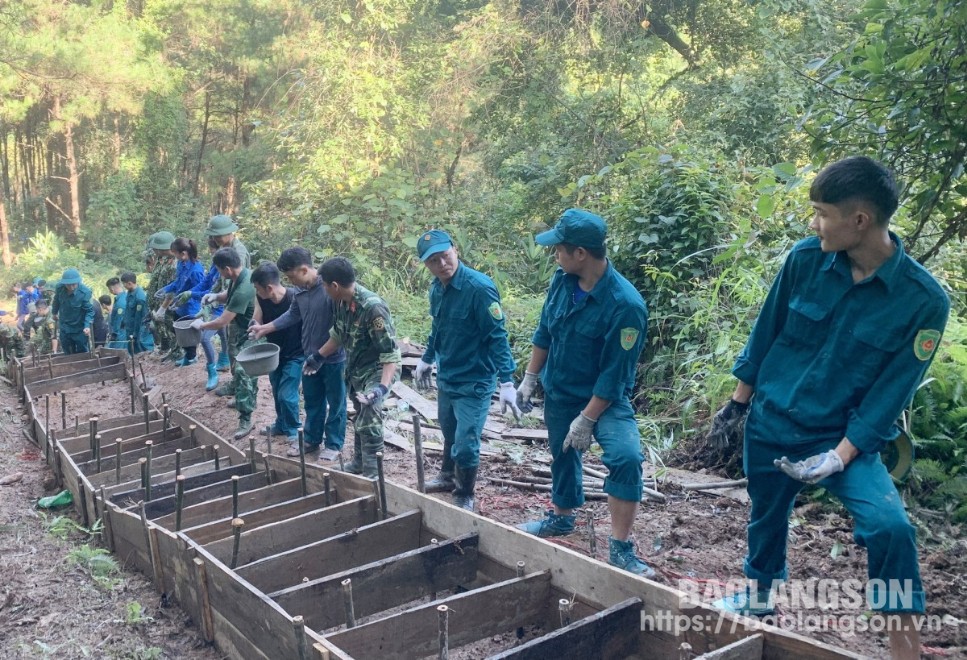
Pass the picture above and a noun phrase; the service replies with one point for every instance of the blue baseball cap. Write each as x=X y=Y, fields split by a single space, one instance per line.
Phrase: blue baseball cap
x=578 y=227
x=432 y=242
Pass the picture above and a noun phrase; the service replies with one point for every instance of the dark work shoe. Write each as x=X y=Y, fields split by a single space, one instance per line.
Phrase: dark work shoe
x=443 y=483
x=622 y=555
x=466 y=479
x=551 y=525
x=244 y=428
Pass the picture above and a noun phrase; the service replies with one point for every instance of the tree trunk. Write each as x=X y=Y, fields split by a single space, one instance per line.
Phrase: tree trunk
x=73 y=175
x=204 y=140
x=4 y=231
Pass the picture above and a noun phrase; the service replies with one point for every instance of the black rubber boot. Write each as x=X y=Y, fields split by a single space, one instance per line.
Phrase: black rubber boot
x=463 y=494
x=444 y=482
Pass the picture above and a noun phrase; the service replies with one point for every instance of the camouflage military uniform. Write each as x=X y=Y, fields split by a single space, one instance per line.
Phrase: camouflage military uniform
x=364 y=328
x=12 y=341
x=162 y=275
x=241 y=301
x=42 y=329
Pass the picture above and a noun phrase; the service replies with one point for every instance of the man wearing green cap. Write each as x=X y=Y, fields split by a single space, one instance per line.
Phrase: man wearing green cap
x=222 y=228
x=74 y=312
x=585 y=353
x=468 y=341
x=162 y=274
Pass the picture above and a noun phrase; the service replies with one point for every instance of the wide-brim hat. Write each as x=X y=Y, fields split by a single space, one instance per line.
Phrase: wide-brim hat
x=161 y=240
x=219 y=225
x=71 y=276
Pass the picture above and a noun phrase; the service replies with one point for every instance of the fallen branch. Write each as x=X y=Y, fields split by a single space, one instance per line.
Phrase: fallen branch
x=716 y=485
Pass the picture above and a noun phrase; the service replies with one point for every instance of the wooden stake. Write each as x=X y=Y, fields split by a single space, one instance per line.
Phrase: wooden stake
x=144 y=379
x=177 y=463
x=192 y=429
x=147 y=412
x=63 y=410
x=201 y=573
x=444 y=631
x=117 y=459
x=47 y=428
x=237 y=524
x=592 y=539
x=179 y=499
x=251 y=451
x=302 y=462
x=108 y=538
x=141 y=463
x=326 y=481
x=382 y=483
x=299 y=626
x=564 y=609
x=520 y=569
x=97 y=451
x=133 y=387
x=80 y=497
x=214 y=449
x=433 y=593
x=164 y=422
x=347 y=592
x=92 y=426
x=738 y=483
x=418 y=448
x=235 y=479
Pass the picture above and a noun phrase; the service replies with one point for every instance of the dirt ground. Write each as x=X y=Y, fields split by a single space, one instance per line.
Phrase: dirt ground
x=692 y=537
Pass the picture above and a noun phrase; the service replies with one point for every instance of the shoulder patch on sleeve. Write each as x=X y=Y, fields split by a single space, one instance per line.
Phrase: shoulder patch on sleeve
x=628 y=338
x=925 y=344
x=379 y=324
x=496 y=311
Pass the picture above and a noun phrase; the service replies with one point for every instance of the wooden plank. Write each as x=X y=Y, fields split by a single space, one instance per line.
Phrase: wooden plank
x=197 y=481
x=749 y=648
x=527 y=435
x=42 y=372
x=158 y=438
x=256 y=517
x=384 y=584
x=129 y=459
x=602 y=585
x=205 y=436
x=286 y=534
x=490 y=610
x=162 y=506
x=612 y=633
x=221 y=507
x=130 y=541
x=111 y=372
x=349 y=486
x=364 y=545
x=416 y=400
x=74 y=444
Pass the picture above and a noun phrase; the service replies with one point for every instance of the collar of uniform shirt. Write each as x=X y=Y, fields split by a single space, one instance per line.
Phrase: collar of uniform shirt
x=886 y=273
x=602 y=285
x=459 y=275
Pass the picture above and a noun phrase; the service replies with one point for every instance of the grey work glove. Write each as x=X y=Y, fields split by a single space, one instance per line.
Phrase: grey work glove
x=160 y=293
x=422 y=375
x=374 y=396
x=812 y=469
x=209 y=299
x=312 y=364
x=507 y=395
x=525 y=391
x=158 y=315
x=725 y=425
x=579 y=435
x=198 y=323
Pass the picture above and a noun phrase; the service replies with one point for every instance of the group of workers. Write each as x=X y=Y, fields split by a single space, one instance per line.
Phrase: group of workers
x=843 y=339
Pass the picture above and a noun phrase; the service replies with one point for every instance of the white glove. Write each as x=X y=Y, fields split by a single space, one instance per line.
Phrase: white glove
x=422 y=375
x=508 y=398
x=198 y=323
x=812 y=469
x=209 y=298
x=579 y=435
x=525 y=391
x=158 y=314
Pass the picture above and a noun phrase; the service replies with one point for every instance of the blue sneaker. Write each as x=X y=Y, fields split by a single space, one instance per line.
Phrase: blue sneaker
x=622 y=555
x=551 y=525
x=748 y=603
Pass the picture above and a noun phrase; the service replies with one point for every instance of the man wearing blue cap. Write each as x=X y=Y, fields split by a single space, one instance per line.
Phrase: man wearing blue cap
x=74 y=312
x=468 y=341
x=586 y=347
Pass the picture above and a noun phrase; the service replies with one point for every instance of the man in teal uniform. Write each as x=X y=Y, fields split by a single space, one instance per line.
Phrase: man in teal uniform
x=239 y=302
x=74 y=312
x=363 y=326
x=116 y=336
x=136 y=315
x=841 y=344
x=586 y=347
x=469 y=343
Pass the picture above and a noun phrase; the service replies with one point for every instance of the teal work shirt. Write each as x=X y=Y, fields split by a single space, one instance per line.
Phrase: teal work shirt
x=74 y=311
x=468 y=339
x=593 y=344
x=829 y=359
x=117 y=316
x=136 y=308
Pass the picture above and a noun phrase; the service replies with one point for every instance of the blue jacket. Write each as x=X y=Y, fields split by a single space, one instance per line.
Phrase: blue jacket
x=187 y=275
x=205 y=286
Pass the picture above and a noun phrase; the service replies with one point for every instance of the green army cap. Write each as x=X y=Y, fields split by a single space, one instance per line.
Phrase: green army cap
x=71 y=276
x=219 y=225
x=161 y=240
x=578 y=227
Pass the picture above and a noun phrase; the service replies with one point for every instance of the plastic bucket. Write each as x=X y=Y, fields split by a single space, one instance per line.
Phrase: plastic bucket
x=259 y=359
x=185 y=335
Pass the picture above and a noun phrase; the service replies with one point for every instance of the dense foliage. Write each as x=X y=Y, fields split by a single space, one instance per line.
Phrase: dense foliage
x=349 y=126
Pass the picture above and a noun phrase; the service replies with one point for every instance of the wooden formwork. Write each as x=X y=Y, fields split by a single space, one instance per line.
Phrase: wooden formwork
x=261 y=552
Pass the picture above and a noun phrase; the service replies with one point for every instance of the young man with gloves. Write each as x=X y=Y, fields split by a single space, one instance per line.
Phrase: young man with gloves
x=323 y=378
x=586 y=347
x=841 y=344
x=468 y=341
